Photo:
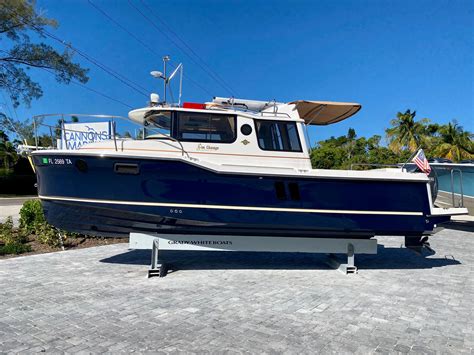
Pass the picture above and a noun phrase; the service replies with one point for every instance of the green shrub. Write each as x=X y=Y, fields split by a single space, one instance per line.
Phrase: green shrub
x=10 y=235
x=6 y=231
x=32 y=221
x=14 y=248
x=13 y=239
x=31 y=214
x=47 y=234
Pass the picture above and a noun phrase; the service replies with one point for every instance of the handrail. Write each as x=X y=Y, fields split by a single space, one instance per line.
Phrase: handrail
x=113 y=135
x=246 y=110
x=80 y=115
x=66 y=129
x=171 y=138
x=460 y=187
x=375 y=164
x=276 y=114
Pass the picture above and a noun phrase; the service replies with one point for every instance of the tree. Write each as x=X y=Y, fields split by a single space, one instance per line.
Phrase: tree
x=366 y=153
x=327 y=155
x=406 y=133
x=351 y=142
x=454 y=143
x=17 y=18
x=8 y=153
x=25 y=129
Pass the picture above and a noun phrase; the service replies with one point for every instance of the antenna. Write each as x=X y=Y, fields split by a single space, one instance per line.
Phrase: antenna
x=167 y=80
x=180 y=85
x=156 y=74
x=174 y=73
x=166 y=58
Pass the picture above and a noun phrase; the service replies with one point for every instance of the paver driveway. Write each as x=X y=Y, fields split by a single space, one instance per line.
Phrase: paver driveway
x=99 y=300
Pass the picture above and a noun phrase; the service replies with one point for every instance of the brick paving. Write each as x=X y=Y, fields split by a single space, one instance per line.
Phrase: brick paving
x=99 y=300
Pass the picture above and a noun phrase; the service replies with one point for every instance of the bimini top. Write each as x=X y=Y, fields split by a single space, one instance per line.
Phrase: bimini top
x=322 y=113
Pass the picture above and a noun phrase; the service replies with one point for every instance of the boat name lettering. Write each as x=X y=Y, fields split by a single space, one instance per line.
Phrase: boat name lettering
x=206 y=147
x=201 y=242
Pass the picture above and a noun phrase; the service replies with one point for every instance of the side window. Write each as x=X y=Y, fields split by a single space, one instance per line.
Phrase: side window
x=160 y=122
x=203 y=127
x=278 y=136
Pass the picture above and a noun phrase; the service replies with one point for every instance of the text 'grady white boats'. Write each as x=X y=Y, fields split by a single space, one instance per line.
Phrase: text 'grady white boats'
x=230 y=167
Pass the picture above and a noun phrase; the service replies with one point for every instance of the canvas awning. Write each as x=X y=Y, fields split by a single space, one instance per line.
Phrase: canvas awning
x=324 y=112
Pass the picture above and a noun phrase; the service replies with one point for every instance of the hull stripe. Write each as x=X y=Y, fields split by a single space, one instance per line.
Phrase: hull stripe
x=229 y=207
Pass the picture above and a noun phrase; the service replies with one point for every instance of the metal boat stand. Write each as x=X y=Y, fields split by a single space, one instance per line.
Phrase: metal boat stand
x=331 y=246
x=349 y=267
x=158 y=267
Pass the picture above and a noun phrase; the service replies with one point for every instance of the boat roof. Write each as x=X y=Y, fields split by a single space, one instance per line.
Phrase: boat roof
x=319 y=113
x=142 y=114
x=323 y=113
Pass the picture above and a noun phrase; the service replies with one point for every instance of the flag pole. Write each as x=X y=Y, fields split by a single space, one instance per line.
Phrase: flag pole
x=411 y=157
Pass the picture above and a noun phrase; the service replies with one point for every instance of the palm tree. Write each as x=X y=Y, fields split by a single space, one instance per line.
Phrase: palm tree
x=455 y=143
x=406 y=133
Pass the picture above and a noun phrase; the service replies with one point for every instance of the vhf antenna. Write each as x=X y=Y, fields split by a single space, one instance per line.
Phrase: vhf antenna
x=166 y=80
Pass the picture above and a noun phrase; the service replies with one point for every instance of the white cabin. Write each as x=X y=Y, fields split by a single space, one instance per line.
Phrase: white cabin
x=228 y=134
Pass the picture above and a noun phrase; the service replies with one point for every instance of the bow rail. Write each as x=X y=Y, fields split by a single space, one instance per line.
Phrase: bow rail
x=57 y=131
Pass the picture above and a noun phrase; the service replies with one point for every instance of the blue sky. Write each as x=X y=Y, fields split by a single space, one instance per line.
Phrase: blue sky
x=387 y=55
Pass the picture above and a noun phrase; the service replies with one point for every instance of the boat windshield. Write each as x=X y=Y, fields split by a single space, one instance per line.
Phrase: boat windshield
x=191 y=126
x=159 y=125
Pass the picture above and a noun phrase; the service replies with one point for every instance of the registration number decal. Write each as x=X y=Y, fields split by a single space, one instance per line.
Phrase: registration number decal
x=56 y=161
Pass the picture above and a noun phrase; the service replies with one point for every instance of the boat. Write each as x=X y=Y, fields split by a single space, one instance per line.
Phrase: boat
x=231 y=167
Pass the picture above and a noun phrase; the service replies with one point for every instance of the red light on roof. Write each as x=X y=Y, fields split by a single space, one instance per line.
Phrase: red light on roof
x=194 y=105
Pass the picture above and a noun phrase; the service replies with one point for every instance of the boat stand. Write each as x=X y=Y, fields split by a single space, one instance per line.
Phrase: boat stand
x=349 y=267
x=157 y=267
x=331 y=246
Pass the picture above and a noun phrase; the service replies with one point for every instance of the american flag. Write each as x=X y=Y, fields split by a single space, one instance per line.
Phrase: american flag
x=421 y=162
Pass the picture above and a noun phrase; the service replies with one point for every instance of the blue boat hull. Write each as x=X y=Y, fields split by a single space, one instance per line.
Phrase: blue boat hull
x=87 y=194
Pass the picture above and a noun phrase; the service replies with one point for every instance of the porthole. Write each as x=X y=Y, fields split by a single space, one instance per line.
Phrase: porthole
x=246 y=129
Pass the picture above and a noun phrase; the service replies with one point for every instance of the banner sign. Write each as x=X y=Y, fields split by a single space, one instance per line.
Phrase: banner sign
x=75 y=135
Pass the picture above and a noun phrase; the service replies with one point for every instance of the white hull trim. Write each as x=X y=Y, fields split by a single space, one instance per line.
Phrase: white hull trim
x=228 y=207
